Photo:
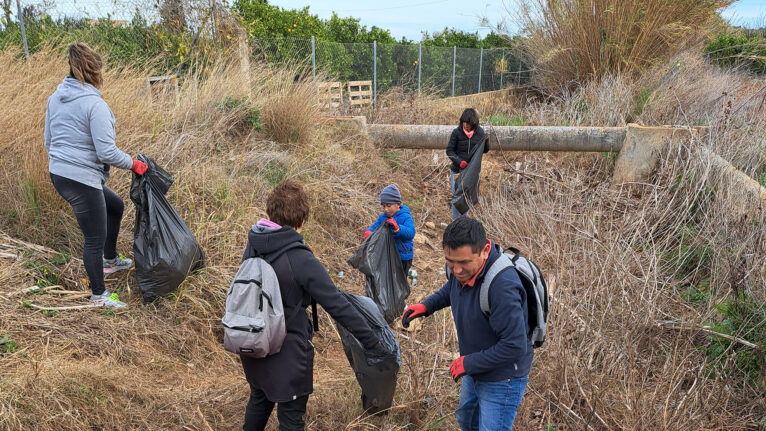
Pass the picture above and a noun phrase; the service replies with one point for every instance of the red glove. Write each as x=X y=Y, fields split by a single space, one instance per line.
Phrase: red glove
x=367 y=233
x=463 y=164
x=412 y=312
x=456 y=369
x=139 y=167
x=393 y=224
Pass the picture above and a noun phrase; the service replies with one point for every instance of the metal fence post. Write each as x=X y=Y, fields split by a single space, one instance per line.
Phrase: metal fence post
x=374 y=73
x=454 y=57
x=481 y=58
x=23 y=29
x=518 y=77
x=313 y=58
x=501 y=70
x=420 y=58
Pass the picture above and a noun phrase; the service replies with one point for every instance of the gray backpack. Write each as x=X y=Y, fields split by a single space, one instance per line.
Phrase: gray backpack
x=254 y=323
x=534 y=284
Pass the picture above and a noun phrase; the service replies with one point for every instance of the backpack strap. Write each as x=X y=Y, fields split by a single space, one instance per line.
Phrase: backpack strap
x=502 y=263
x=274 y=256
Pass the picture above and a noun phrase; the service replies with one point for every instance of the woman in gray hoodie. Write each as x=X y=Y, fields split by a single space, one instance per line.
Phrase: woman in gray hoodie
x=79 y=137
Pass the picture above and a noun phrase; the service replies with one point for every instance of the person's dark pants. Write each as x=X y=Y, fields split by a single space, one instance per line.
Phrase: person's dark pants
x=406 y=265
x=99 y=213
x=290 y=414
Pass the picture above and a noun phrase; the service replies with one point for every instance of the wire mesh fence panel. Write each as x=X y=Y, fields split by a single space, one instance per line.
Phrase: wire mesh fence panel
x=466 y=71
x=436 y=70
x=149 y=32
x=290 y=52
x=172 y=36
x=397 y=67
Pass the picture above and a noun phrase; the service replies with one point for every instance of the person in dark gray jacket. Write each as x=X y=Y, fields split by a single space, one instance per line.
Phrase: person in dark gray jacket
x=286 y=378
x=79 y=138
x=461 y=147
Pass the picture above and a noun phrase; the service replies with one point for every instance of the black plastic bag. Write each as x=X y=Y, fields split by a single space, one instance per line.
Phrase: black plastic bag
x=164 y=249
x=378 y=259
x=467 y=183
x=376 y=373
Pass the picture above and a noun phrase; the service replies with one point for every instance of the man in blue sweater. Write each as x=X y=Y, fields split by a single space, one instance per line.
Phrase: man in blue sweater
x=495 y=353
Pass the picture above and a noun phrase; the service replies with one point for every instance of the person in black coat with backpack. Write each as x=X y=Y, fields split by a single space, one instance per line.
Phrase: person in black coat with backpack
x=464 y=139
x=286 y=378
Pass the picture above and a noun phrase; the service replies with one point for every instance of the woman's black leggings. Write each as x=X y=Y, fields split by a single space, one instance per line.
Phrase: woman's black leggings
x=99 y=213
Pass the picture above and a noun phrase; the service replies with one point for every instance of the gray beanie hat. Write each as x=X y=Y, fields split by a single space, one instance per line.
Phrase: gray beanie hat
x=390 y=195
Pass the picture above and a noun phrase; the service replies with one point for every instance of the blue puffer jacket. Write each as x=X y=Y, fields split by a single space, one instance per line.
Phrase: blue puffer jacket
x=403 y=238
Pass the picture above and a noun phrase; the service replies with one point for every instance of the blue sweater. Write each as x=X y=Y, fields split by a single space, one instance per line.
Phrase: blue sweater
x=403 y=238
x=495 y=348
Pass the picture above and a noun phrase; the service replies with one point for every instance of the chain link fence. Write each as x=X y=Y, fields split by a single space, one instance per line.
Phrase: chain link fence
x=173 y=34
x=447 y=71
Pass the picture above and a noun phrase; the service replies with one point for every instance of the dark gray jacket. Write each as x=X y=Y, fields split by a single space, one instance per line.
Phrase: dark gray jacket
x=460 y=146
x=289 y=373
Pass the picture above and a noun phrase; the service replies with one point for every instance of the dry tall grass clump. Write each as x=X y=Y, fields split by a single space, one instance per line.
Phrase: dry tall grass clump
x=574 y=41
x=638 y=272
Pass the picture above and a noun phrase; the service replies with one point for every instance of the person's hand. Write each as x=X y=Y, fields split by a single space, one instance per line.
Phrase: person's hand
x=393 y=224
x=367 y=234
x=463 y=164
x=412 y=312
x=139 y=167
x=456 y=370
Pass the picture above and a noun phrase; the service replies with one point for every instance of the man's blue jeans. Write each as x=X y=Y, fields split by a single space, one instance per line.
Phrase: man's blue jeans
x=489 y=406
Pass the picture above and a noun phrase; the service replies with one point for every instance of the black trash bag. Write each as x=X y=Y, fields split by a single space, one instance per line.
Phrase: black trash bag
x=378 y=259
x=376 y=371
x=164 y=249
x=467 y=183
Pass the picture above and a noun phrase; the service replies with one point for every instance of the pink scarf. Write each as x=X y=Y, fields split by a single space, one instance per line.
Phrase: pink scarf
x=268 y=223
x=467 y=133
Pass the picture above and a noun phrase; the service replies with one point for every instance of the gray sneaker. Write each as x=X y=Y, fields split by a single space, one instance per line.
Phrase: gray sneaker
x=117 y=264
x=107 y=299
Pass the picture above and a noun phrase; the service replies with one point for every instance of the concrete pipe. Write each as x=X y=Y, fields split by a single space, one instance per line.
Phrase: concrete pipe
x=508 y=138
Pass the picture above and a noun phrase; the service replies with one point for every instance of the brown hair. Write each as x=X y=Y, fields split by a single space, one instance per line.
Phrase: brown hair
x=85 y=64
x=288 y=204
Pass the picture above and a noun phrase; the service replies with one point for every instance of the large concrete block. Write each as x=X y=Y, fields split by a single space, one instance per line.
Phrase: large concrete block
x=641 y=150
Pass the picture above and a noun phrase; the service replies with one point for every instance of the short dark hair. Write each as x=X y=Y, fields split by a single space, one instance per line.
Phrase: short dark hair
x=465 y=231
x=288 y=204
x=471 y=117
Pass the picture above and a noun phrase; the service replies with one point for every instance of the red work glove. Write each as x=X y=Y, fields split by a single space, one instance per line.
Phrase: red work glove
x=456 y=369
x=139 y=167
x=367 y=233
x=393 y=224
x=463 y=164
x=412 y=312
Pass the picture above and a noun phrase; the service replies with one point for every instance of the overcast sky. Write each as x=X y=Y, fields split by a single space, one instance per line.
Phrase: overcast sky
x=409 y=18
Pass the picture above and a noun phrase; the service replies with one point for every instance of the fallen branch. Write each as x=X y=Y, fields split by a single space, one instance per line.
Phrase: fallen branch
x=71 y=307
x=706 y=329
x=207 y=425
x=411 y=339
x=36 y=288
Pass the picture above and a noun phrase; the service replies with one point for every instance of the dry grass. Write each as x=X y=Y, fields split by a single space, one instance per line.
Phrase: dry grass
x=608 y=364
x=571 y=42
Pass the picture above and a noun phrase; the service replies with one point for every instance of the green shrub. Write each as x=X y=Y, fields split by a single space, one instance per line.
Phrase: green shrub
x=507 y=120
x=728 y=50
x=744 y=318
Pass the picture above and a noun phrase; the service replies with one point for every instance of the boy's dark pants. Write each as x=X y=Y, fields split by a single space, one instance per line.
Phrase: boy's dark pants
x=406 y=264
x=290 y=414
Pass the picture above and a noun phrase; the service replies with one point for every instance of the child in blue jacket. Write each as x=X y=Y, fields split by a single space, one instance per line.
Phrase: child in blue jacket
x=398 y=218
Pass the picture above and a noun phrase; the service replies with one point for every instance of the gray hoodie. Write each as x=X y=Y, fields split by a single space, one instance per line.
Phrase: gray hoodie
x=79 y=135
